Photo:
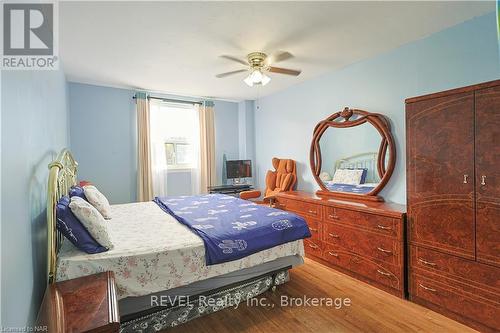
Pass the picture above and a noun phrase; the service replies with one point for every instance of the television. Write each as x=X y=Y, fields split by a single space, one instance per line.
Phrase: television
x=238 y=169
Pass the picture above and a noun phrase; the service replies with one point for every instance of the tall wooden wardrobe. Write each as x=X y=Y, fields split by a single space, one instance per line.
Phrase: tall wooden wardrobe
x=453 y=194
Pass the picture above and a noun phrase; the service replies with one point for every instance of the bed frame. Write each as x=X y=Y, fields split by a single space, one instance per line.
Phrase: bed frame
x=62 y=176
x=361 y=161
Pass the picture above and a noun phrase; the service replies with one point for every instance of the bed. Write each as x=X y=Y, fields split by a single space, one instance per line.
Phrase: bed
x=367 y=161
x=154 y=255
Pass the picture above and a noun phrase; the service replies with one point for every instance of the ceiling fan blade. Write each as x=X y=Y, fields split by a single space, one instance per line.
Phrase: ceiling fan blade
x=243 y=62
x=285 y=71
x=279 y=56
x=230 y=73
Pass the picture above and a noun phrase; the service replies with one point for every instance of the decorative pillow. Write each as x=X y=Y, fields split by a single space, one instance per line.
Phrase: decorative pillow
x=325 y=176
x=98 y=200
x=84 y=183
x=73 y=230
x=348 y=176
x=92 y=220
x=77 y=191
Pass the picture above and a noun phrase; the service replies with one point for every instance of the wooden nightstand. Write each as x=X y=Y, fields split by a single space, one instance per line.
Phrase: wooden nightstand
x=86 y=304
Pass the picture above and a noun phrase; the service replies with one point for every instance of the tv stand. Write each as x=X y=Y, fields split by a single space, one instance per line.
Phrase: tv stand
x=233 y=189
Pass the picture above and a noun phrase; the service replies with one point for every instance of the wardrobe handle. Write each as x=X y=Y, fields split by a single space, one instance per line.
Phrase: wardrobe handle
x=425 y=262
x=383 y=250
x=466 y=179
x=333 y=235
x=483 y=180
x=383 y=227
x=333 y=254
x=333 y=217
x=313 y=246
x=310 y=211
x=426 y=288
x=313 y=229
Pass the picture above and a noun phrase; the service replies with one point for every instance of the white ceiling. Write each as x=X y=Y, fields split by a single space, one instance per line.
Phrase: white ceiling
x=174 y=47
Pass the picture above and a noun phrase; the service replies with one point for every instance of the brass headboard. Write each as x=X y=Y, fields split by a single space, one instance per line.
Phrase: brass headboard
x=62 y=175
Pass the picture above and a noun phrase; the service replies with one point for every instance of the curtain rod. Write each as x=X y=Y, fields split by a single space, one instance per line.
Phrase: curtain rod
x=172 y=100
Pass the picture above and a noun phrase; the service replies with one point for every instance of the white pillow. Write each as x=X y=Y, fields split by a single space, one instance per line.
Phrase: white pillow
x=92 y=220
x=98 y=200
x=347 y=176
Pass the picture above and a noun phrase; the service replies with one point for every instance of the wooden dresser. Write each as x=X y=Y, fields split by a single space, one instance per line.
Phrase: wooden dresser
x=362 y=239
x=453 y=183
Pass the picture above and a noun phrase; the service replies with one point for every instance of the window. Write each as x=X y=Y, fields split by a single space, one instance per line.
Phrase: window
x=179 y=153
x=175 y=133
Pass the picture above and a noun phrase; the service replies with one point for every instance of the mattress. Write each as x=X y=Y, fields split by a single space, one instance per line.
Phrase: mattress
x=154 y=252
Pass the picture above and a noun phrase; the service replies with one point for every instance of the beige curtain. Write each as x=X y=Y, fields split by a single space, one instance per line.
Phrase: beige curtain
x=144 y=174
x=207 y=146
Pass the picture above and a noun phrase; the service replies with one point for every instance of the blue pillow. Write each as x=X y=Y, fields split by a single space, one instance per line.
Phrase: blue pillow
x=74 y=230
x=77 y=191
x=363 y=176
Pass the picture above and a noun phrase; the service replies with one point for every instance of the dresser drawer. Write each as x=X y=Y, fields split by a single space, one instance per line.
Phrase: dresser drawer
x=280 y=203
x=481 y=275
x=451 y=296
x=378 y=223
x=382 y=273
x=302 y=207
x=313 y=247
x=315 y=226
x=364 y=243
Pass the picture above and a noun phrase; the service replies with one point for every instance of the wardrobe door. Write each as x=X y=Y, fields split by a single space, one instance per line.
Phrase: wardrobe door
x=488 y=175
x=440 y=173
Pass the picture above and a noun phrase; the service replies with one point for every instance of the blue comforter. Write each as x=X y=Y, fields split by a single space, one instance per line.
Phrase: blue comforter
x=233 y=228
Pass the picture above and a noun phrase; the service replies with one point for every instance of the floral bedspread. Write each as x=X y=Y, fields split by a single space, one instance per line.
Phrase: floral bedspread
x=154 y=252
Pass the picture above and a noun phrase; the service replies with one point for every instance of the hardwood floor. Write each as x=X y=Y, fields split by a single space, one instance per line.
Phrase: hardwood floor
x=371 y=310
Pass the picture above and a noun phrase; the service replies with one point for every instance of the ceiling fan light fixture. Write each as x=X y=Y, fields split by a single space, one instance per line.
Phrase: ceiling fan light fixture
x=256 y=76
x=248 y=80
x=265 y=79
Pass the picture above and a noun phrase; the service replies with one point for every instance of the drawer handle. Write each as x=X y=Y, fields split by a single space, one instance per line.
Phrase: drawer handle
x=383 y=273
x=313 y=229
x=333 y=254
x=310 y=211
x=425 y=262
x=427 y=288
x=333 y=217
x=313 y=246
x=333 y=235
x=383 y=227
x=383 y=250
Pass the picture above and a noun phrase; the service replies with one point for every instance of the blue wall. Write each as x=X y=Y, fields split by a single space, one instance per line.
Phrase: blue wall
x=461 y=55
x=246 y=133
x=103 y=139
x=34 y=130
x=226 y=134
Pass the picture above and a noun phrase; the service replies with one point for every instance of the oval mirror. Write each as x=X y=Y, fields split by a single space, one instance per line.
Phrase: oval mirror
x=352 y=154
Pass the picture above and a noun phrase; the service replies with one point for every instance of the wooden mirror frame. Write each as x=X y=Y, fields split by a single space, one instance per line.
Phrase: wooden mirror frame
x=381 y=124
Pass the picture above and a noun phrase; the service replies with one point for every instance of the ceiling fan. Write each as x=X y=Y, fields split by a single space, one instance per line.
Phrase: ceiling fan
x=258 y=63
